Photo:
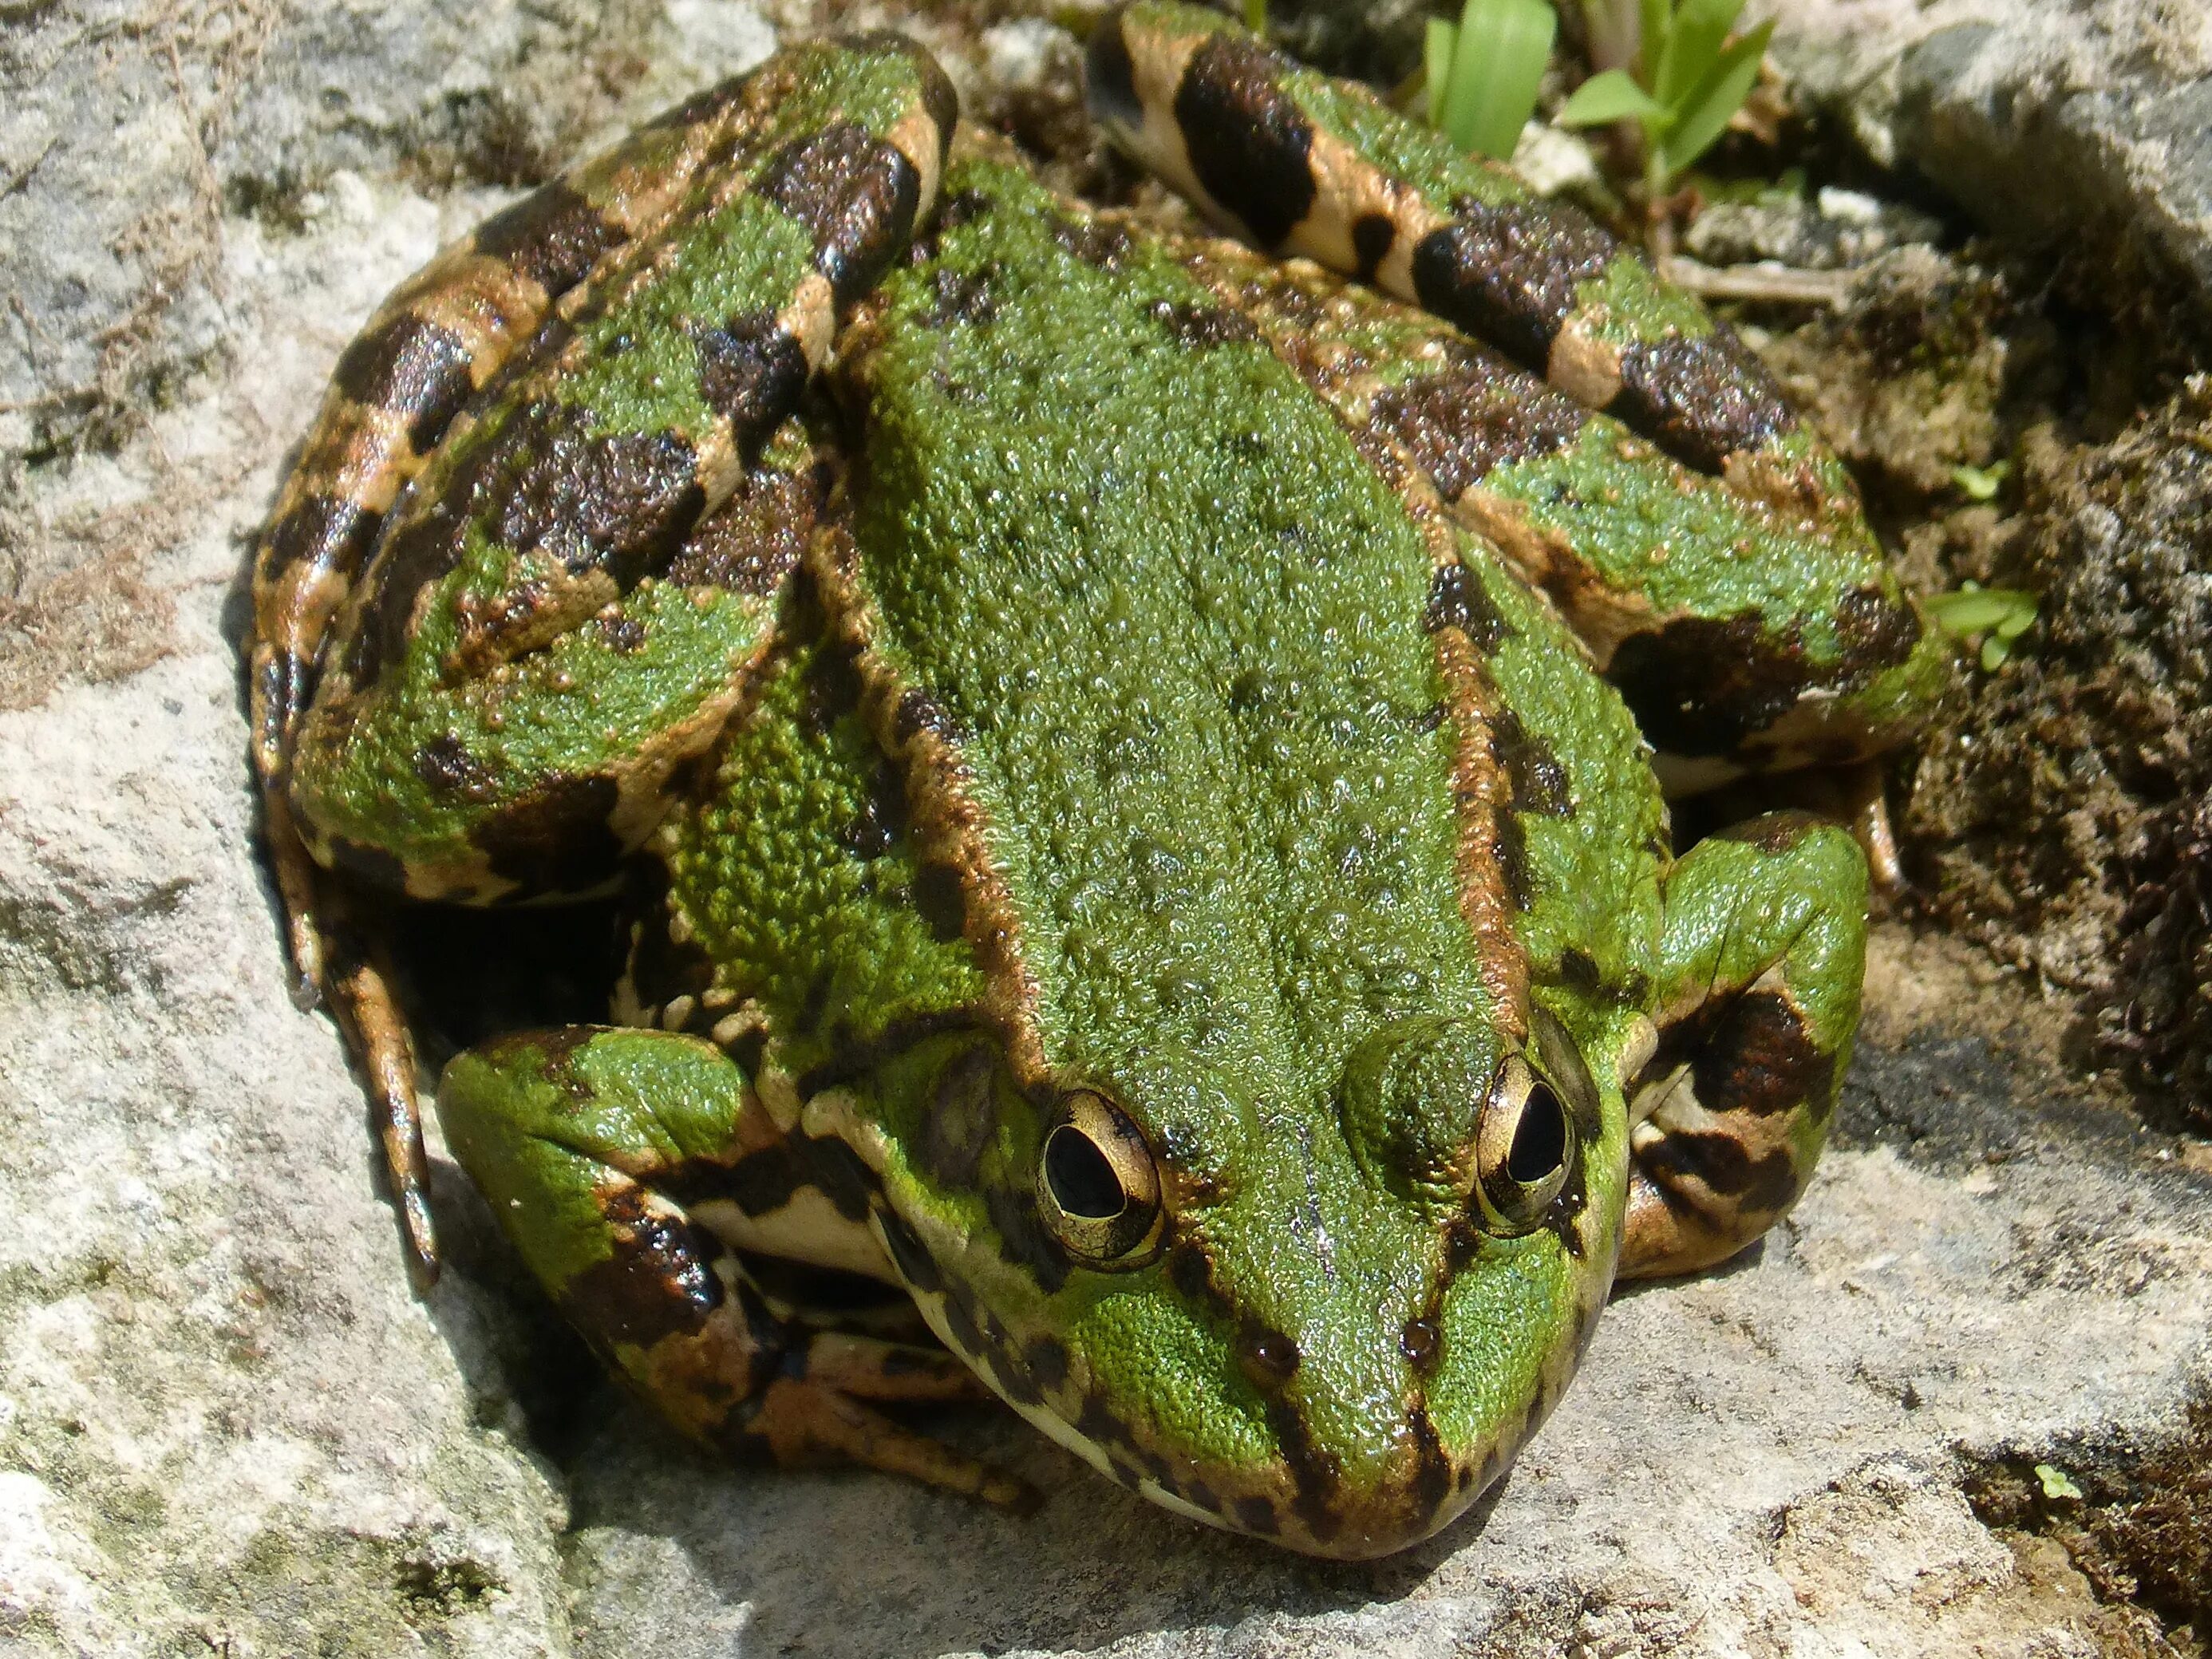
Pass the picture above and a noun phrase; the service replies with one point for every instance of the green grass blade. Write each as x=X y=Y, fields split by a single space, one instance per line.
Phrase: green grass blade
x=1605 y=99
x=1436 y=58
x=1256 y=15
x=1658 y=23
x=1694 y=47
x=1498 y=64
x=1704 y=115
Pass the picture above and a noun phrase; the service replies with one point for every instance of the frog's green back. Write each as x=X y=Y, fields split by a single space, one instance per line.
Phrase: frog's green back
x=1176 y=630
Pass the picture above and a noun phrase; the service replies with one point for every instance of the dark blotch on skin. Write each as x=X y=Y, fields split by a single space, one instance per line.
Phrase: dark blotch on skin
x=1764 y=1186
x=1047 y=1359
x=1373 y=234
x=555 y=839
x=1872 y=628
x=962 y=299
x=1110 y=77
x=621 y=501
x=1432 y=1467
x=875 y=829
x=855 y=194
x=831 y=691
x=938 y=898
x=1538 y=781
x=410 y=366
x=761 y=1183
x=961 y=1114
x=1093 y=241
x=1508 y=274
x=553 y=236
x=915 y=1265
x=453 y=776
x=1459 y=426
x=1748 y=1053
x=1700 y=400
x=1098 y=1425
x=1257 y=1515
x=1508 y=845
x=1190 y=1270
x=751 y=373
x=752 y=542
x=1458 y=600
x=1201 y=328
x=1776 y=833
x=324 y=530
x=1250 y=145
x=657 y=1283
x=1314 y=1472
x=846 y=1182
x=1703 y=685
x=1022 y=1236
x=374 y=864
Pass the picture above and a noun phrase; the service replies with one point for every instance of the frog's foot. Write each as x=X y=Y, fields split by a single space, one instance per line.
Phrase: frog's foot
x=357 y=977
x=577 y=1138
x=1762 y=959
x=818 y=1415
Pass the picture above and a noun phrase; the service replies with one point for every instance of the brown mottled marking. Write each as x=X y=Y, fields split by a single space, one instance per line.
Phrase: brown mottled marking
x=1477 y=415
x=1509 y=274
x=1716 y=686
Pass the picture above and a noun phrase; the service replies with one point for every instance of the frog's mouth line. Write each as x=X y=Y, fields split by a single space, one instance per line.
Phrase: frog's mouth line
x=1295 y=1499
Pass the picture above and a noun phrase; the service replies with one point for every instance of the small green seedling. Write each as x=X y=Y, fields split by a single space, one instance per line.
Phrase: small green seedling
x=1980 y=483
x=1483 y=72
x=1689 y=77
x=1998 y=615
x=2057 y=1487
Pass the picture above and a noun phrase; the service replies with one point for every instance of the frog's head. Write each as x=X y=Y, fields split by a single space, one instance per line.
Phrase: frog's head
x=1326 y=1313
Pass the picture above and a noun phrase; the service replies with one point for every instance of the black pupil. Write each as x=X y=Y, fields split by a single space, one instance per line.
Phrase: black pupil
x=1082 y=1183
x=1539 y=1140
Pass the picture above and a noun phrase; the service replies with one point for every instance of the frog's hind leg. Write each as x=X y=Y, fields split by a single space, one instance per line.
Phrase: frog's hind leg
x=617 y=1161
x=1760 y=968
x=1625 y=450
x=480 y=707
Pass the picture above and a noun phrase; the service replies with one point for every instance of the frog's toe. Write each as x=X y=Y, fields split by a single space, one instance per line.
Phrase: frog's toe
x=801 y=1421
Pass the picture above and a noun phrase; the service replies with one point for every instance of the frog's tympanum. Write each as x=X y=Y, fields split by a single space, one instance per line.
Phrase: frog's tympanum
x=1140 y=759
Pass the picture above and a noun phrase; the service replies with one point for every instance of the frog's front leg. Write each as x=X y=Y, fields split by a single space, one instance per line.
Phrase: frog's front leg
x=1761 y=959
x=610 y=1155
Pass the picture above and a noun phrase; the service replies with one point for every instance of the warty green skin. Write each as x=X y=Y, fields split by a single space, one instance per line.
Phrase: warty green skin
x=1146 y=719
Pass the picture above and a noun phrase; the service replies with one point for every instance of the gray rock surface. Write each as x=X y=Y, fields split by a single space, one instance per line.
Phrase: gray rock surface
x=227 y=1427
x=2088 y=122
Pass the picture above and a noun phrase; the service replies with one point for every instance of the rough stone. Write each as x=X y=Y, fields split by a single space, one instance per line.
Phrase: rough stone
x=225 y=1425
x=2085 y=123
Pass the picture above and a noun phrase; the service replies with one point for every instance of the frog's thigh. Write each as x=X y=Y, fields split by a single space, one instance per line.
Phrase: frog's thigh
x=577 y=1138
x=1761 y=962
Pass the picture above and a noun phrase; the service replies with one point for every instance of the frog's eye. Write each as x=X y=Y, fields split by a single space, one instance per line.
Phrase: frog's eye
x=1524 y=1149
x=1098 y=1185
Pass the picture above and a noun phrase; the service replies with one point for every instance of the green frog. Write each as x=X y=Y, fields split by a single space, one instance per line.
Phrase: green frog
x=1138 y=757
